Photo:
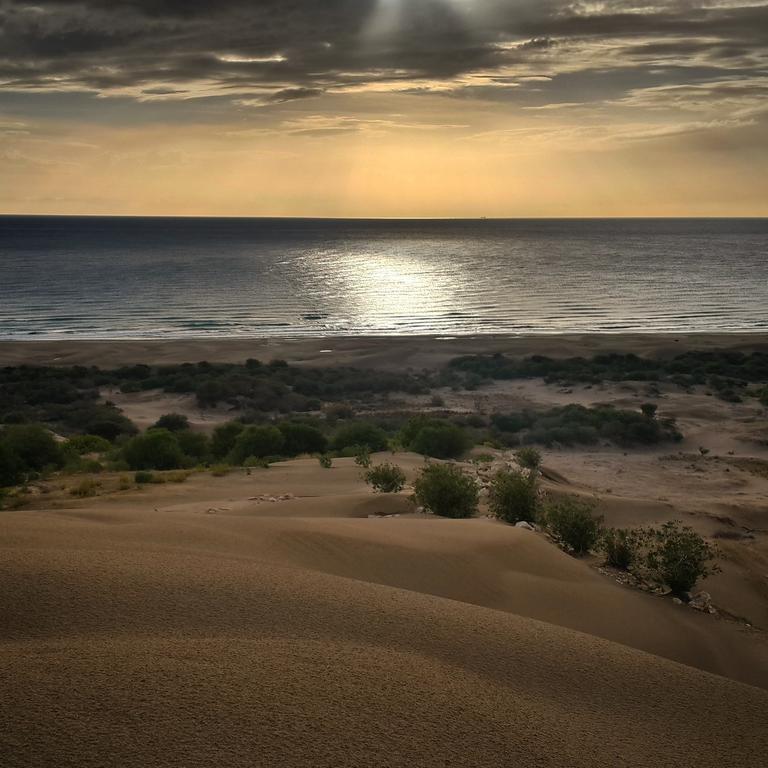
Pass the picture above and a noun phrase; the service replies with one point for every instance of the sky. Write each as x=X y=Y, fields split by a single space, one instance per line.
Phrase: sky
x=413 y=108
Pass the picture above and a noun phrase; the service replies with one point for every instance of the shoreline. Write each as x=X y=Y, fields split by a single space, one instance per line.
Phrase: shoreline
x=393 y=352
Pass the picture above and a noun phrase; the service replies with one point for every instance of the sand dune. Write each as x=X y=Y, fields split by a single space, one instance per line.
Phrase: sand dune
x=195 y=626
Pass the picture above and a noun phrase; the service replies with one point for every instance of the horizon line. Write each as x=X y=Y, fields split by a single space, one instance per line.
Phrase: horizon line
x=374 y=218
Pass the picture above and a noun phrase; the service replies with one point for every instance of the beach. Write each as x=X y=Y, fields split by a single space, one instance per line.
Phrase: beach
x=375 y=351
x=289 y=616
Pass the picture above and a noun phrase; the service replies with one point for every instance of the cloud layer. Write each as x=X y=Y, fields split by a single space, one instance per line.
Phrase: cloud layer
x=511 y=78
x=301 y=47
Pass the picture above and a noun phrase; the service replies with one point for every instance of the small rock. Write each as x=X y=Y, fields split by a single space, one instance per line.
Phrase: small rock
x=677 y=601
x=701 y=602
x=525 y=526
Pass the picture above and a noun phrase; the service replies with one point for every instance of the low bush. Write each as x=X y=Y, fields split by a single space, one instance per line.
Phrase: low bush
x=575 y=524
x=363 y=458
x=575 y=424
x=155 y=449
x=11 y=467
x=176 y=477
x=528 y=458
x=224 y=437
x=96 y=419
x=143 y=478
x=196 y=445
x=253 y=463
x=620 y=546
x=34 y=446
x=514 y=496
x=678 y=556
x=436 y=438
x=360 y=434
x=447 y=491
x=220 y=470
x=257 y=442
x=386 y=478
x=440 y=440
x=649 y=410
x=85 y=489
x=83 y=444
x=302 y=438
x=173 y=422
x=326 y=461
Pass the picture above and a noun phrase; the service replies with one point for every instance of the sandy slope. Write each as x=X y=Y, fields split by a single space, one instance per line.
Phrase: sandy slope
x=194 y=626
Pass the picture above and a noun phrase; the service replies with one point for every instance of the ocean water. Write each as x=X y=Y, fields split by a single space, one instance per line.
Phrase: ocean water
x=86 y=277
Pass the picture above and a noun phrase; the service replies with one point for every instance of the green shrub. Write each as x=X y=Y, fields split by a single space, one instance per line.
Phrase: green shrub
x=34 y=446
x=339 y=412
x=437 y=438
x=441 y=441
x=85 y=488
x=97 y=419
x=173 y=422
x=124 y=483
x=253 y=463
x=577 y=425
x=678 y=556
x=514 y=497
x=326 y=461
x=574 y=523
x=528 y=458
x=11 y=466
x=386 y=478
x=621 y=547
x=155 y=449
x=220 y=470
x=258 y=442
x=178 y=477
x=83 y=444
x=196 y=445
x=363 y=458
x=224 y=437
x=360 y=434
x=447 y=491
x=143 y=478
x=649 y=410
x=302 y=438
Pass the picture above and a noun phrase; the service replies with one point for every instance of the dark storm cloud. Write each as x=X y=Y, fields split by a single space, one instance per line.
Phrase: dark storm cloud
x=288 y=50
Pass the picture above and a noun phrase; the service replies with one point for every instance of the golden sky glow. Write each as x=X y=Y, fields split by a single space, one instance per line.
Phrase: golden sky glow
x=432 y=108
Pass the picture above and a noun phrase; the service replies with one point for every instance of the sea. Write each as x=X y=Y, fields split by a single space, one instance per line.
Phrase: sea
x=134 y=278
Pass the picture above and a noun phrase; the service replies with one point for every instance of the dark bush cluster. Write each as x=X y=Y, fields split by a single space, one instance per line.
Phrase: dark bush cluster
x=68 y=398
x=727 y=373
x=27 y=450
x=577 y=425
x=436 y=438
x=671 y=554
x=360 y=434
